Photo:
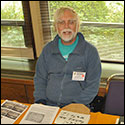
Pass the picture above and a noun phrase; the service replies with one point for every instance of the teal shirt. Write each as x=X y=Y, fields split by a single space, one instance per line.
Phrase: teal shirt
x=67 y=49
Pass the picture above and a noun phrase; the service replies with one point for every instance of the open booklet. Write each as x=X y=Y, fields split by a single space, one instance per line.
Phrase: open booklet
x=43 y=114
x=11 y=111
x=40 y=114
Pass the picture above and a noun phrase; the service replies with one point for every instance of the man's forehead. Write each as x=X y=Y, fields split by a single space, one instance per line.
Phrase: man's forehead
x=67 y=14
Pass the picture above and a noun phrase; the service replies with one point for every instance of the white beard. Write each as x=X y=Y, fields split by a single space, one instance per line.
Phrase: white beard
x=67 y=35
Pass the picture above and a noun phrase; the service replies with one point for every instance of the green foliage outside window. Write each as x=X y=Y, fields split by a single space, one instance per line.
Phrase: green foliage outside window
x=12 y=36
x=108 y=41
x=93 y=11
x=89 y=11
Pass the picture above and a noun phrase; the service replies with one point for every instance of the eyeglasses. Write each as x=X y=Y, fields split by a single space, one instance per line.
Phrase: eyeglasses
x=63 y=23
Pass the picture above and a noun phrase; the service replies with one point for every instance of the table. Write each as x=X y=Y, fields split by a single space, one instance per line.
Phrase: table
x=95 y=118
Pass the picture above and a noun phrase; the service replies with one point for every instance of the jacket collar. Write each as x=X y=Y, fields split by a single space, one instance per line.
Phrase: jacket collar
x=79 y=48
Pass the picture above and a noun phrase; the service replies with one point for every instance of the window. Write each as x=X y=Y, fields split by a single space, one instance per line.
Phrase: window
x=102 y=23
x=16 y=30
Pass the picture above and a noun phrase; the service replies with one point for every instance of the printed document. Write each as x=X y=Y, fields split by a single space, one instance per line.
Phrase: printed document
x=11 y=111
x=68 y=117
x=40 y=114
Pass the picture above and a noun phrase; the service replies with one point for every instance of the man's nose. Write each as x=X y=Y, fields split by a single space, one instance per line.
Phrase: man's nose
x=66 y=25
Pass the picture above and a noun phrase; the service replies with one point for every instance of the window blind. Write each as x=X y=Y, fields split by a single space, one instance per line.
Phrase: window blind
x=46 y=24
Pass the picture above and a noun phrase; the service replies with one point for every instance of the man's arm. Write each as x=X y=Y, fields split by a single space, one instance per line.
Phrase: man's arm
x=92 y=81
x=40 y=80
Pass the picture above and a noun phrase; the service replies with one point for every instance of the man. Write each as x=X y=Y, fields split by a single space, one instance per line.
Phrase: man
x=69 y=68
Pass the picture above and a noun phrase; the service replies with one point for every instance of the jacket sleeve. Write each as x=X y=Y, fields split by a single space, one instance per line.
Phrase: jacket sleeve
x=92 y=80
x=40 y=79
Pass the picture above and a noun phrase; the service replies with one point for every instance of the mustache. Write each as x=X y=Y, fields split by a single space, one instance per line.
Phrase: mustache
x=66 y=30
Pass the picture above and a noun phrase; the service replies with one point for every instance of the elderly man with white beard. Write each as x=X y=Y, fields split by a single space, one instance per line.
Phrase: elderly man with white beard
x=69 y=68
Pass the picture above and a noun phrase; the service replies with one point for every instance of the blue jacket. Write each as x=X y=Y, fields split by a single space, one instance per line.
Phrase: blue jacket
x=53 y=78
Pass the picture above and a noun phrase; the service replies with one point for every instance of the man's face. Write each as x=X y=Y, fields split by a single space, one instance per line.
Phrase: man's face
x=67 y=26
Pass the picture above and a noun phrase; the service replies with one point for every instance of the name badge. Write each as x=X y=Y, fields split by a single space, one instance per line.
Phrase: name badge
x=78 y=76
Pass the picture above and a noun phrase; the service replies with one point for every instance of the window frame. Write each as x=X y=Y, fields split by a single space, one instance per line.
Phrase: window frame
x=27 y=52
x=40 y=24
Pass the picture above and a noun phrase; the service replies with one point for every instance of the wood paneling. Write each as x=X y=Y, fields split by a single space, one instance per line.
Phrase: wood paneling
x=17 y=89
x=30 y=90
x=102 y=92
x=13 y=92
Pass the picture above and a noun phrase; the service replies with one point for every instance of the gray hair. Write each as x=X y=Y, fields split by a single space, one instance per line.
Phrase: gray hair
x=59 y=12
